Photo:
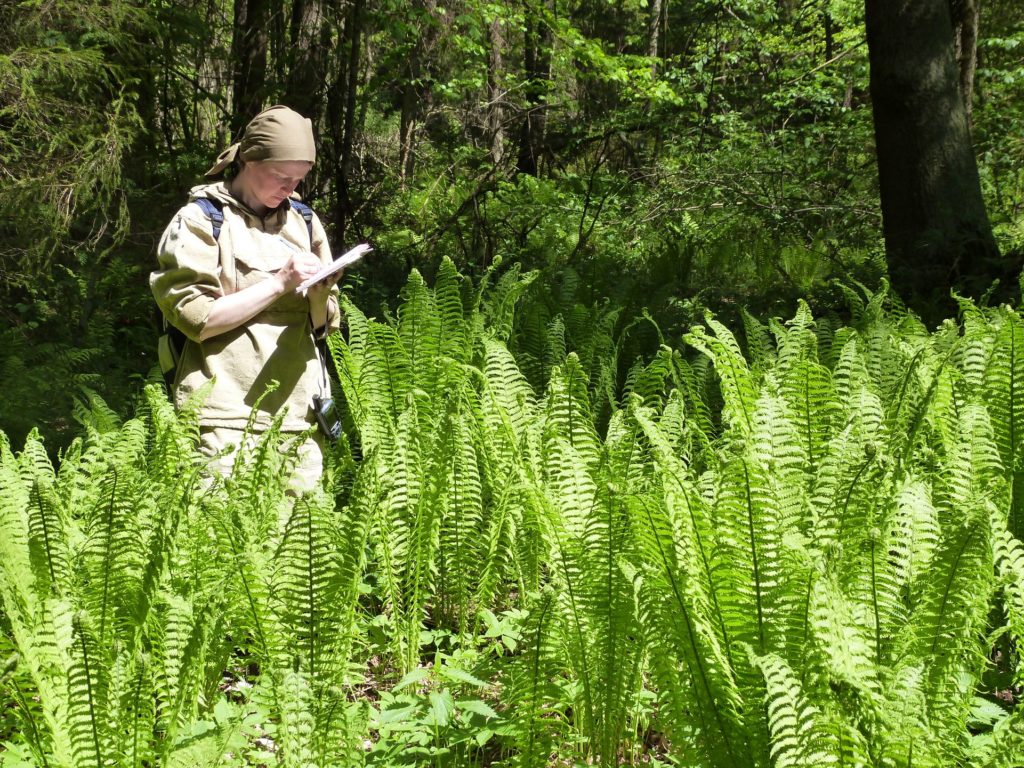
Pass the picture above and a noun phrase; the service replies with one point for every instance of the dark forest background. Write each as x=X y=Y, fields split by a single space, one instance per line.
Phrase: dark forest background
x=647 y=157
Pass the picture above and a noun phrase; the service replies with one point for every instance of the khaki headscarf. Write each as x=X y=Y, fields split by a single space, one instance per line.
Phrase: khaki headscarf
x=278 y=133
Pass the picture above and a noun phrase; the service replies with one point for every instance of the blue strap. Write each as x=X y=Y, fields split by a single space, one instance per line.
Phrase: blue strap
x=307 y=213
x=213 y=210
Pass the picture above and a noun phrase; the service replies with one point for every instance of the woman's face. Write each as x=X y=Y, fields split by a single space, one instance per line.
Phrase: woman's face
x=270 y=182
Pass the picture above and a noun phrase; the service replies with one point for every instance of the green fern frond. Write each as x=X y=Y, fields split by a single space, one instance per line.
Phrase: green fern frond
x=972 y=469
x=500 y=302
x=419 y=328
x=910 y=535
x=688 y=660
x=846 y=485
x=799 y=735
x=386 y=376
x=975 y=348
x=530 y=690
x=737 y=383
x=131 y=709
x=49 y=548
x=747 y=566
x=799 y=342
x=297 y=727
x=944 y=632
x=114 y=552
x=91 y=410
x=1004 y=388
x=568 y=415
x=760 y=348
x=650 y=382
x=781 y=449
x=305 y=583
x=461 y=506
x=1003 y=748
x=807 y=388
x=860 y=404
x=691 y=526
x=456 y=339
x=1008 y=553
x=841 y=640
x=87 y=682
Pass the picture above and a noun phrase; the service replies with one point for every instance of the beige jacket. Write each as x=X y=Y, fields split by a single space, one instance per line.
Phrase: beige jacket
x=276 y=345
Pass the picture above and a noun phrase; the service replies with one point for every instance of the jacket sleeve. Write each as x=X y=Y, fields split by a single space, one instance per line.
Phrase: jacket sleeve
x=187 y=280
x=323 y=251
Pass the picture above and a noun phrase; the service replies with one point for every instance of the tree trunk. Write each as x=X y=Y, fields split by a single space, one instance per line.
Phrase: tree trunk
x=537 y=64
x=965 y=31
x=307 y=58
x=653 y=28
x=249 y=52
x=354 y=29
x=416 y=91
x=495 y=92
x=407 y=130
x=937 y=232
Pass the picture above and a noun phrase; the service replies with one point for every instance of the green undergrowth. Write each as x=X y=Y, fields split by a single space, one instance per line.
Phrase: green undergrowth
x=534 y=549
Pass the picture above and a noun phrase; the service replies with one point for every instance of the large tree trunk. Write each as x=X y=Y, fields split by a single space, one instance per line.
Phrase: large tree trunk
x=937 y=232
x=307 y=58
x=965 y=32
x=249 y=52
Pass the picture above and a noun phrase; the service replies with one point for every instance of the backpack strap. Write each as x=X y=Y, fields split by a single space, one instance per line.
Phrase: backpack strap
x=214 y=210
x=171 y=344
x=307 y=213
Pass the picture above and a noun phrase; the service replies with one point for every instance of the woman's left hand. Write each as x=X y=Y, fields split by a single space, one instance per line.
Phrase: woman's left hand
x=318 y=294
x=320 y=291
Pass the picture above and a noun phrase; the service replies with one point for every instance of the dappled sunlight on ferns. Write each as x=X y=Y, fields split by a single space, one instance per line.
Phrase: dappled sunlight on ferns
x=796 y=543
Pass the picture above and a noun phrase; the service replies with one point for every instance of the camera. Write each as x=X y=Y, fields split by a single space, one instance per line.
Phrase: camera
x=326 y=415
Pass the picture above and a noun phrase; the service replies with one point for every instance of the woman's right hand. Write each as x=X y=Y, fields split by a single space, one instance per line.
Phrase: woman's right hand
x=301 y=266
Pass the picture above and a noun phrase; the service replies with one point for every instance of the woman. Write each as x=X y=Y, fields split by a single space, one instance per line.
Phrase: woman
x=230 y=287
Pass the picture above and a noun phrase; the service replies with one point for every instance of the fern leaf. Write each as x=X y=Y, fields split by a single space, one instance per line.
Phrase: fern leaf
x=688 y=660
x=800 y=343
x=760 y=349
x=87 y=700
x=304 y=585
x=419 y=328
x=737 y=383
x=944 y=632
x=568 y=411
x=799 y=738
x=1008 y=553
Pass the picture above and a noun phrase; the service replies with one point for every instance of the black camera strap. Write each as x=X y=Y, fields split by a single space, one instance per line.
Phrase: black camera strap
x=323 y=404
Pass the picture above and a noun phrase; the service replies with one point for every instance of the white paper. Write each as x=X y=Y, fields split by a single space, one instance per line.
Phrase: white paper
x=346 y=259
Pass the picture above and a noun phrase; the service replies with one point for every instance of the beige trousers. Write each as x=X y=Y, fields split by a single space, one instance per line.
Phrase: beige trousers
x=304 y=466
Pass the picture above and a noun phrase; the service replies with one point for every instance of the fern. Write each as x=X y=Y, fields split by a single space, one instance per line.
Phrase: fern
x=419 y=328
x=737 y=382
x=800 y=733
x=530 y=684
x=460 y=558
x=87 y=699
x=1004 y=398
x=304 y=586
x=943 y=634
x=568 y=414
x=1008 y=553
x=687 y=658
